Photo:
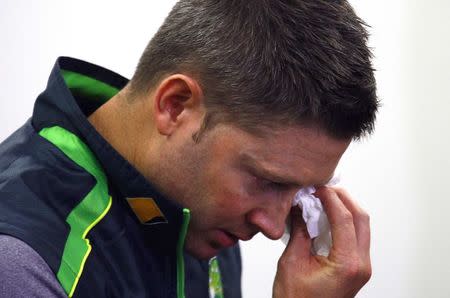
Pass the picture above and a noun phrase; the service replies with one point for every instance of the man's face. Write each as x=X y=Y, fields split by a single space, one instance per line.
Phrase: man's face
x=237 y=184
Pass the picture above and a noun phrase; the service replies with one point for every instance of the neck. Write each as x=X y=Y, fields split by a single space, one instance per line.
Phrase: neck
x=117 y=122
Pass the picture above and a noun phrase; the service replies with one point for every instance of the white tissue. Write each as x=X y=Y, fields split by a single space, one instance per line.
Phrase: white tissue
x=315 y=218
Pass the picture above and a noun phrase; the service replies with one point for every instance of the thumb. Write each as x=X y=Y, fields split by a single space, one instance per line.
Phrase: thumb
x=299 y=245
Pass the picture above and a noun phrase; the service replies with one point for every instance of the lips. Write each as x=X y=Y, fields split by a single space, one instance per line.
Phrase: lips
x=226 y=239
x=246 y=237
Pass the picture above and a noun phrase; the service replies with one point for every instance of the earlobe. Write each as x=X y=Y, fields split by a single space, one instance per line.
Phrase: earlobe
x=176 y=98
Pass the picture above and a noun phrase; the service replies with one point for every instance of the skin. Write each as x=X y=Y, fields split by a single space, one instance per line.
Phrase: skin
x=237 y=184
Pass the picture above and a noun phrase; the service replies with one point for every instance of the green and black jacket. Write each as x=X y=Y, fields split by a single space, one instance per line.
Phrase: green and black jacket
x=98 y=223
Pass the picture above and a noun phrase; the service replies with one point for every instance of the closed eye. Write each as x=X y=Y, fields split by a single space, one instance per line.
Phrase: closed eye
x=266 y=184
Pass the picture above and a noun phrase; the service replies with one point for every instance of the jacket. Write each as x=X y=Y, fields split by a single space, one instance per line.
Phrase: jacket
x=102 y=228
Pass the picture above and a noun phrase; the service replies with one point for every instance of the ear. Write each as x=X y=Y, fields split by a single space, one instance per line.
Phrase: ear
x=178 y=99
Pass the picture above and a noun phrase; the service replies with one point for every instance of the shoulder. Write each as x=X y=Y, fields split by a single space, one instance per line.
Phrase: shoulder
x=24 y=273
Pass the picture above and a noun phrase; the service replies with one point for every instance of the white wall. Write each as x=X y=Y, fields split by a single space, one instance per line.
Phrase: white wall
x=399 y=175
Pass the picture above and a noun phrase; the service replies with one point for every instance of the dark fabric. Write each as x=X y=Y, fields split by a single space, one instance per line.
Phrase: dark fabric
x=39 y=186
x=197 y=274
x=231 y=268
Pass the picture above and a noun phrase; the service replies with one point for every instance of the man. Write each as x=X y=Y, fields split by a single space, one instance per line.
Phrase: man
x=143 y=188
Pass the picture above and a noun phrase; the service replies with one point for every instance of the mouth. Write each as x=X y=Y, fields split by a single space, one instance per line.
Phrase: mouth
x=226 y=239
x=235 y=237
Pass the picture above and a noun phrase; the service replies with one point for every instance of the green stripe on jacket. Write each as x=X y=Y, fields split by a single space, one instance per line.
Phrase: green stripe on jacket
x=86 y=214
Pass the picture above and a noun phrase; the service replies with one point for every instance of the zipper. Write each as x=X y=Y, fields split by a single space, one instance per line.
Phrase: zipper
x=180 y=258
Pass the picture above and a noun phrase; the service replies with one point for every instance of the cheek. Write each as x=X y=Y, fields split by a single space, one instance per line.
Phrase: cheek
x=231 y=197
x=232 y=200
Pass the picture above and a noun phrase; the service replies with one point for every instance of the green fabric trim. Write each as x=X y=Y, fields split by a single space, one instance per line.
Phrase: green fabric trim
x=215 y=279
x=86 y=214
x=180 y=249
x=81 y=85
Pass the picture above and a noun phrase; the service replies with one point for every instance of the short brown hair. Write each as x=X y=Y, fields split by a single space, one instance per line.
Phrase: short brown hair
x=264 y=63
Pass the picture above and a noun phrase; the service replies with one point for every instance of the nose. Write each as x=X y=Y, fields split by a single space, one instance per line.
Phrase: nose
x=270 y=217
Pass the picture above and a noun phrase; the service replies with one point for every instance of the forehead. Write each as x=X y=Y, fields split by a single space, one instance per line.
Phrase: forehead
x=300 y=155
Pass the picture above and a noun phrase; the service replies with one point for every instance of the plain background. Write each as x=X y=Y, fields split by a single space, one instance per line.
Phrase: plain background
x=400 y=174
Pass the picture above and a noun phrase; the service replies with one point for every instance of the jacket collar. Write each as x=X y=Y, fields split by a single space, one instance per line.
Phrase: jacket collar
x=75 y=89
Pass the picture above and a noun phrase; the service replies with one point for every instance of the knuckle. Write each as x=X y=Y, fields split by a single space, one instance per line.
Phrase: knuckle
x=365 y=217
x=339 y=189
x=352 y=270
x=357 y=271
x=366 y=273
x=286 y=264
x=343 y=192
x=325 y=192
x=347 y=218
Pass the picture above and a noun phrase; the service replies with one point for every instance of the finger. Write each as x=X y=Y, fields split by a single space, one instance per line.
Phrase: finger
x=361 y=221
x=299 y=245
x=341 y=223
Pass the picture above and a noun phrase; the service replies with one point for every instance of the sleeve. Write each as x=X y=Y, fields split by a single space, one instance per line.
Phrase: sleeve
x=23 y=272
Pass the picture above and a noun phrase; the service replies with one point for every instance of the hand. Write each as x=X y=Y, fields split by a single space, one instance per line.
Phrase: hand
x=347 y=268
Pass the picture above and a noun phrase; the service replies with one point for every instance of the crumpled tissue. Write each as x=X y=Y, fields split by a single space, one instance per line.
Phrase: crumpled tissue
x=315 y=218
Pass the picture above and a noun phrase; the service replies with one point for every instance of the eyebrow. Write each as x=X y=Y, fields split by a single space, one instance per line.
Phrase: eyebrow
x=251 y=164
